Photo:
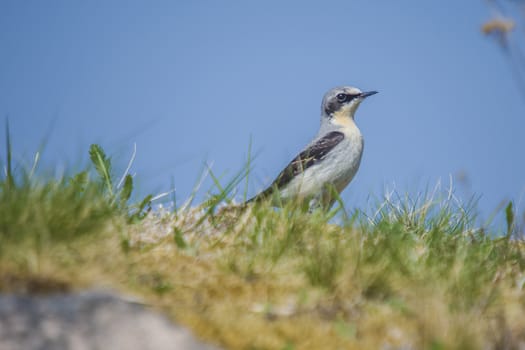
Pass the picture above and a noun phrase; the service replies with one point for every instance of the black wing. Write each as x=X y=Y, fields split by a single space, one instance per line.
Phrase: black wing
x=307 y=158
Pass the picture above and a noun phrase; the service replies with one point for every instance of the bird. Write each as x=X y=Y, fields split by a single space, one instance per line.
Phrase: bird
x=323 y=169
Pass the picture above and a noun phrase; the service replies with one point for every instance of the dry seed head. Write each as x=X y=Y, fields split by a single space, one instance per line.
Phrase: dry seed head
x=498 y=26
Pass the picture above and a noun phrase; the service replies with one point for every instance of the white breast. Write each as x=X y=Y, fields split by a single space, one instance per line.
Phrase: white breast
x=338 y=167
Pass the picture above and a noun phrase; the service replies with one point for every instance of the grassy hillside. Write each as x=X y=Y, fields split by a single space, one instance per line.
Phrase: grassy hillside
x=415 y=274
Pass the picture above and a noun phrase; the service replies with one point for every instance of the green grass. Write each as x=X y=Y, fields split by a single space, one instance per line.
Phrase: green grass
x=412 y=273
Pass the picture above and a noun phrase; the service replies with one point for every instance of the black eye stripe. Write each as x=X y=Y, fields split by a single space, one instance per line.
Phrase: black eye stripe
x=342 y=98
x=337 y=101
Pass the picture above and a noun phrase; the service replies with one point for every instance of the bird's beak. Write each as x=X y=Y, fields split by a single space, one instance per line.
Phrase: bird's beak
x=366 y=94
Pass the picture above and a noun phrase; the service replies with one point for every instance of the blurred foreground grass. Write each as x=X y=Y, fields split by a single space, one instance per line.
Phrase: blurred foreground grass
x=416 y=274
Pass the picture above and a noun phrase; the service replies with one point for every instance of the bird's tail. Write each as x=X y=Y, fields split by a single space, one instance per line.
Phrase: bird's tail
x=267 y=193
x=241 y=208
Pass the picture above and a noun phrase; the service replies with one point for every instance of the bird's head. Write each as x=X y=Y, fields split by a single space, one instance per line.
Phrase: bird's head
x=340 y=103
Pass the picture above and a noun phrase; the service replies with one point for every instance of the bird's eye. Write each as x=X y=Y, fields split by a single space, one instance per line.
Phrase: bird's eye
x=341 y=97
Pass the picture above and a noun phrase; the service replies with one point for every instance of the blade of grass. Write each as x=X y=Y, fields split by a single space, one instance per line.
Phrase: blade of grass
x=248 y=167
x=130 y=163
x=9 y=170
x=102 y=165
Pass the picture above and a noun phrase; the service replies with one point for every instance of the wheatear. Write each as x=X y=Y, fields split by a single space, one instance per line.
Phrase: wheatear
x=328 y=164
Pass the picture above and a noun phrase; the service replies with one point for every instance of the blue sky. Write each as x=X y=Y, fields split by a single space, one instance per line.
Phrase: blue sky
x=193 y=81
